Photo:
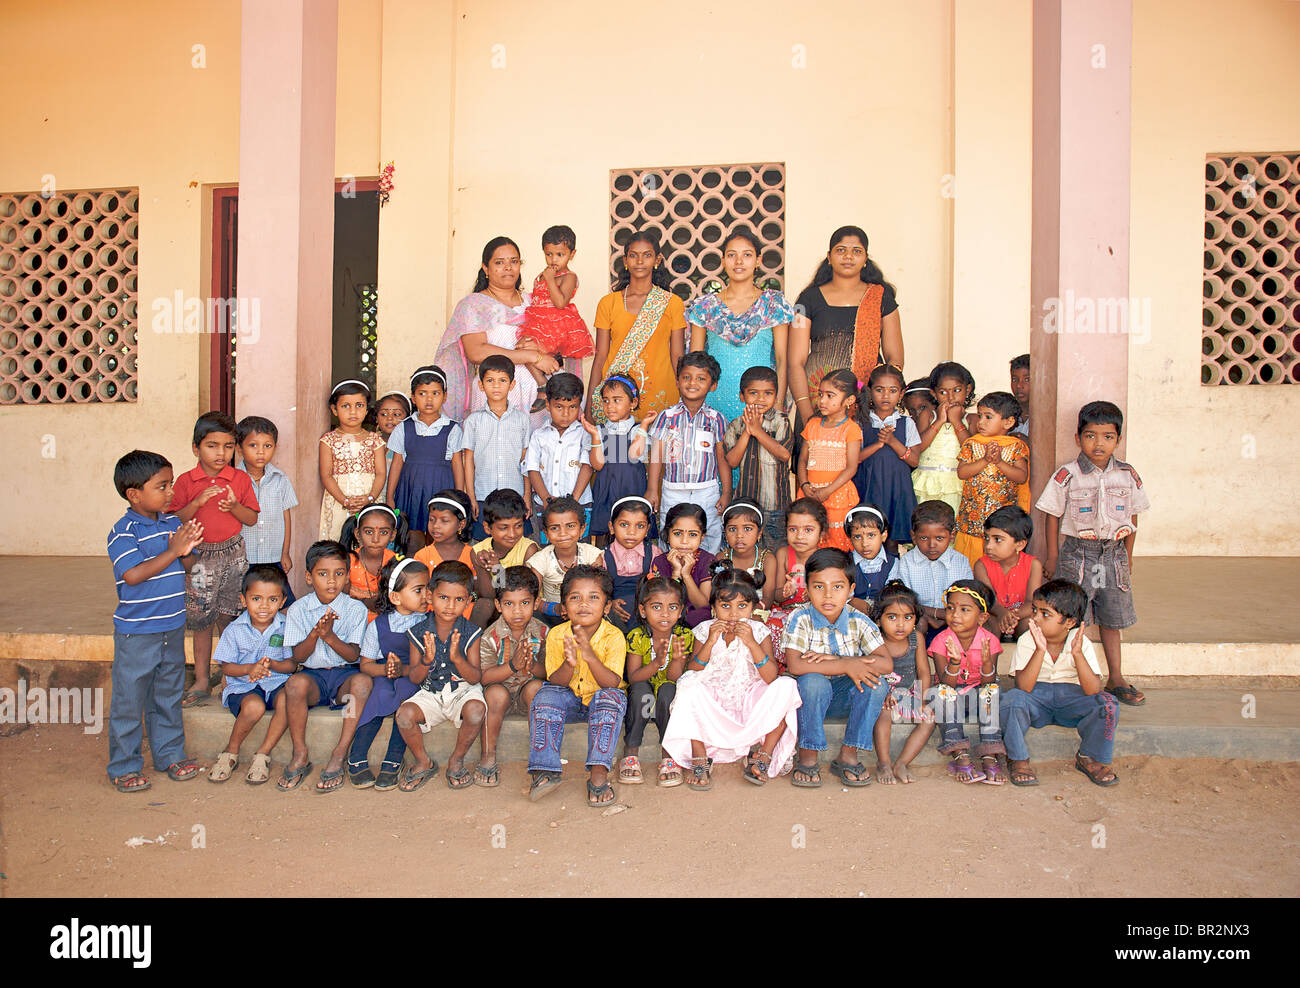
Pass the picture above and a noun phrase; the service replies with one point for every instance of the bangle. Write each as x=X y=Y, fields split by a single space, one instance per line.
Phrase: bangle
x=759 y=665
x=804 y=398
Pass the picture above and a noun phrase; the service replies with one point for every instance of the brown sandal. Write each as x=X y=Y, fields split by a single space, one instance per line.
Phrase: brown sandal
x=1097 y=773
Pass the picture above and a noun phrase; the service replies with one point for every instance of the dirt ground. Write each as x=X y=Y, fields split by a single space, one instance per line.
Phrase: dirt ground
x=1173 y=827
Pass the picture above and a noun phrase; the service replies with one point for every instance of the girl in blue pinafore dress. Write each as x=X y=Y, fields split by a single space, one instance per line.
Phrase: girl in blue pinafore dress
x=422 y=463
x=631 y=550
x=402 y=585
x=623 y=446
x=884 y=476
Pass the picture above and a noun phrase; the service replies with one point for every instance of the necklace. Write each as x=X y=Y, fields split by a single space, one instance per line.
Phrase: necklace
x=492 y=291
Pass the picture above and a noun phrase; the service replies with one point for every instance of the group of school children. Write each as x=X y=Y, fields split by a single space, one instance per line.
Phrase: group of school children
x=736 y=617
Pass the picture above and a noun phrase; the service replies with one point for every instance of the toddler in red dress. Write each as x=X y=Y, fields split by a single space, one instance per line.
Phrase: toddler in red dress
x=551 y=321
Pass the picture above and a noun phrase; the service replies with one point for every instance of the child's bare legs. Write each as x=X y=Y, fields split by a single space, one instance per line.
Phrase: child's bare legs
x=251 y=709
x=407 y=720
x=884 y=771
x=301 y=694
x=471 y=723
x=353 y=695
x=913 y=746
x=203 y=653
x=1110 y=645
x=279 y=724
x=538 y=376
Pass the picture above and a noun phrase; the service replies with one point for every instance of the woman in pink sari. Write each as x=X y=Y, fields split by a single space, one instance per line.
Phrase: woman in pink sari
x=487 y=322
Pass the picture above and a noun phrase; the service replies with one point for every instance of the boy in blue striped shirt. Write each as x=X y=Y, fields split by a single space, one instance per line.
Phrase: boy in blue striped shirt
x=150 y=551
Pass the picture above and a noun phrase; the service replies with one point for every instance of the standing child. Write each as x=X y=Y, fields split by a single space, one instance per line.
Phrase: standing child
x=267 y=542
x=993 y=466
x=619 y=462
x=1092 y=504
x=493 y=439
x=257 y=664
x=685 y=561
x=759 y=444
x=424 y=452
x=585 y=657
x=392 y=410
x=353 y=468
x=932 y=565
x=558 y=461
x=730 y=695
x=951 y=387
x=222 y=499
x=896 y=613
x=1058 y=681
x=444 y=662
x=890 y=449
x=448 y=527
x=687 y=449
x=743 y=529
x=504 y=513
x=150 y=551
x=385 y=654
x=660 y=639
x=833 y=649
x=805 y=524
x=965 y=656
x=1020 y=388
x=510 y=658
x=551 y=321
x=829 y=457
x=324 y=630
x=1013 y=573
x=629 y=556
x=869 y=532
x=366 y=535
x=563 y=518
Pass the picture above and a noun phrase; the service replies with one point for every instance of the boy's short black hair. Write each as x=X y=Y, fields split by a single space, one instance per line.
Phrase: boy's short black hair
x=326 y=549
x=980 y=587
x=501 y=504
x=1012 y=519
x=520 y=578
x=563 y=386
x=251 y=425
x=1066 y=598
x=561 y=235
x=452 y=571
x=934 y=513
x=497 y=362
x=210 y=422
x=563 y=504
x=1101 y=413
x=1020 y=363
x=135 y=468
x=704 y=361
x=264 y=573
x=755 y=374
x=830 y=558
x=584 y=572
x=1004 y=403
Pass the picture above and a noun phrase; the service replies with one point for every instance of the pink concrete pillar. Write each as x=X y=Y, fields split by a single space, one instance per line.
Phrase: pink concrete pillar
x=1079 y=268
x=288 y=64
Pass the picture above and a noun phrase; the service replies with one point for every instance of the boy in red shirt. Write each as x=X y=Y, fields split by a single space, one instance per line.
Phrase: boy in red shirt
x=222 y=499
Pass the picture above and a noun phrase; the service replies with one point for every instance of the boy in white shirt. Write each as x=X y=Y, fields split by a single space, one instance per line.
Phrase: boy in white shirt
x=558 y=461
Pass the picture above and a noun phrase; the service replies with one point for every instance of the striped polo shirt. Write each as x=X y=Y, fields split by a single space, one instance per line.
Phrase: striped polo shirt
x=156 y=604
x=691 y=443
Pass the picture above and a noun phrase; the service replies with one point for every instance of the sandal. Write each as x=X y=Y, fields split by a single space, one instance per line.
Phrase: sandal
x=195 y=698
x=543 y=782
x=329 y=781
x=226 y=763
x=292 y=779
x=183 y=771
x=756 y=767
x=965 y=774
x=259 y=771
x=595 y=792
x=842 y=770
x=387 y=778
x=413 y=779
x=812 y=775
x=132 y=782
x=670 y=773
x=363 y=778
x=700 y=778
x=1097 y=773
x=1128 y=693
x=629 y=771
x=992 y=771
x=1022 y=776
x=460 y=778
x=487 y=776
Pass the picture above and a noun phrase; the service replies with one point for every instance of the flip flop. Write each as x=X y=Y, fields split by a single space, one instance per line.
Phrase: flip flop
x=813 y=773
x=841 y=770
x=543 y=782
x=1127 y=694
x=965 y=774
x=460 y=778
x=594 y=792
x=487 y=776
x=195 y=698
x=1027 y=776
x=993 y=775
x=183 y=771
x=327 y=776
x=418 y=778
x=121 y=782
x=1097 y=772
x=293 y=778
x=670 y=773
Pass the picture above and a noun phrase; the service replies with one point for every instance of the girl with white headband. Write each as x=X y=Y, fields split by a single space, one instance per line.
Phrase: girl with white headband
x=868 y=530
x=353 y=468
x=448 y=528
x=424 y=452
x=742 y=535
x=367 y=536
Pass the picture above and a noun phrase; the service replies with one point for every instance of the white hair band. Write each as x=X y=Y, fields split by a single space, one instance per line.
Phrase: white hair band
x=747 y=506
x=377 y=507
x=431 y=373
x=455 y=506
x=395 y=394
x=919 y=389
x=866 y=509
x=637 y=498
x=397 y=570
x=351 y=380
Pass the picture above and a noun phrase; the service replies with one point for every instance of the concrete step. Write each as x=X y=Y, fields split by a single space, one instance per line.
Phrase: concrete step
x=1181 y=723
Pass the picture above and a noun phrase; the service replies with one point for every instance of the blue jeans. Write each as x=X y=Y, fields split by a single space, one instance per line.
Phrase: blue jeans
x=1067 y=705
x=554 y=706
x=835 y=696
x=148 y=679
x=952 y=710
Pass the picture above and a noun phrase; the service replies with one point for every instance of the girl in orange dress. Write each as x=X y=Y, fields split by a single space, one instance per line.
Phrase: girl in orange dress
x=994 y=470
x=366 y=535
x=448 y=528
x=829 y=457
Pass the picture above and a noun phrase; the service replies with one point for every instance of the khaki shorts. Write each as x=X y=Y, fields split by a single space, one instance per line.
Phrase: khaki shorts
x=446 y=705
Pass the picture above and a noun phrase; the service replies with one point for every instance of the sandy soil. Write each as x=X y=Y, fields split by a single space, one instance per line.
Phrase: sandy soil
x=1172 y=827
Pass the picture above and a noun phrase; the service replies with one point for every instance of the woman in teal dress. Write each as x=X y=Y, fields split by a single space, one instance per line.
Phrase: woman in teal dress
x=741 y=325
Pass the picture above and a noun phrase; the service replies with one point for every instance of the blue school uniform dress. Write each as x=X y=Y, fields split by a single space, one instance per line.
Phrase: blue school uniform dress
x=871 y=575
x=425 y=468
x=885 y=479
x=386 y=633
x=619 y=477
x=625 y=586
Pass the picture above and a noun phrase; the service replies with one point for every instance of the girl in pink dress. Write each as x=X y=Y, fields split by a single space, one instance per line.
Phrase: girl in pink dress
x=730 y=696
x=551 y=321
